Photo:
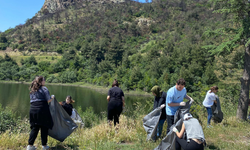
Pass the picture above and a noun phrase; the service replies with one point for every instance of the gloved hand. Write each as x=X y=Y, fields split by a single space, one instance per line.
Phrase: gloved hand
x=162 y=106
x=175 y=129
x=191 y=101
x=182 y=103
x=52 y=96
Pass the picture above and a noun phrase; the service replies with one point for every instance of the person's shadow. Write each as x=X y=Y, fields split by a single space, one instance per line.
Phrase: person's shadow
x=211 y=146
x=64 y=147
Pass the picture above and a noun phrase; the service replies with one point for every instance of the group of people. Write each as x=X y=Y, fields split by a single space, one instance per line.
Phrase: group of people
x=172 y=100
x=40 y=117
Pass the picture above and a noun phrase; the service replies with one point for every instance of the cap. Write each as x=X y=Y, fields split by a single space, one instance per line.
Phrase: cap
x=187 y=116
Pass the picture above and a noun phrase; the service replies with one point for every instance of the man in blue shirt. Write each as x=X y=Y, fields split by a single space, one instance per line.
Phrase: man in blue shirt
x=174 y=100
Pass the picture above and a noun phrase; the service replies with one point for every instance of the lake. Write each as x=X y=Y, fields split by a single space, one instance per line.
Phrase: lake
x=16 y=97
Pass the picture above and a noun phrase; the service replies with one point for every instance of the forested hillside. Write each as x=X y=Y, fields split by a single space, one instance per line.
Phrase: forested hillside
x=140 y=44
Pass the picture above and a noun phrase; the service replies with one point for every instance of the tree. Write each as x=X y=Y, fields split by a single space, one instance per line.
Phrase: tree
x=3 y=39
x=36 y=35
x=235 y=35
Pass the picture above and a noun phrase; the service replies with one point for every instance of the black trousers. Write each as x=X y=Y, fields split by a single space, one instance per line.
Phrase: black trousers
x=114 y=111
x=170 y=121
x=34 y=131
x=192 y=145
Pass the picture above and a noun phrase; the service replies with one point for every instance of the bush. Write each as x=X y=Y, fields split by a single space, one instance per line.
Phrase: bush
x=3 y=46
x=8 y=119
x=89 y=117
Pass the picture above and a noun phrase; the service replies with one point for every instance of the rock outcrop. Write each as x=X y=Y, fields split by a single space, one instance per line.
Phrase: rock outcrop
x=52 y=6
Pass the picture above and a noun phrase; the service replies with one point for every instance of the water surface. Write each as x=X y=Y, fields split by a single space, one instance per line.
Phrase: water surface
x=16 y=97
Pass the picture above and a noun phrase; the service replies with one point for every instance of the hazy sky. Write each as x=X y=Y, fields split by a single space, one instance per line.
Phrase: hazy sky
x=15 y=12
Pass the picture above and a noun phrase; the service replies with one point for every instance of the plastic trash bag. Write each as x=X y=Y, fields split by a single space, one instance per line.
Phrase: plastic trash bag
x=63 y=124
x=150 y=123
x=168 y=142
x=77 y=118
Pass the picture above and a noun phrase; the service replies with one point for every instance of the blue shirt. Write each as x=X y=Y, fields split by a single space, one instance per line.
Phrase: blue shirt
x=40 y=95
x=174 y=96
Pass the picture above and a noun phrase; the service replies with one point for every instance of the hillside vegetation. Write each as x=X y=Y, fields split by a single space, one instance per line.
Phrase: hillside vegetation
x=140 y=44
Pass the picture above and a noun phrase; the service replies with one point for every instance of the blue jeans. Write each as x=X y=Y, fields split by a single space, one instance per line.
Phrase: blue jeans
x=209 y=115
x=159 y=128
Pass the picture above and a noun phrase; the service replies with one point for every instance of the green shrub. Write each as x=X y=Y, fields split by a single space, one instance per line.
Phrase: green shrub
x=8 y=119
x=3 y=46
x=89 y=118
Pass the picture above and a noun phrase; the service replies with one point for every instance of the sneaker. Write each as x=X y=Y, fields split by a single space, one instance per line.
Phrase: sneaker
x=45 y=147
x=209 y=126
x=29 y=147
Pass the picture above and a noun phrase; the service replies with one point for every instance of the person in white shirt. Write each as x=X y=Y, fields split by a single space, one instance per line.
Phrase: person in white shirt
x=209 y=100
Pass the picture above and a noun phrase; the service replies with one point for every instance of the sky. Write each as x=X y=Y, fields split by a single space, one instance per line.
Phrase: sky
x=16 y=12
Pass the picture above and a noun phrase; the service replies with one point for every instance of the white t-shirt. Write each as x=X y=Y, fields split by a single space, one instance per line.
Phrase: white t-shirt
x=209 y=99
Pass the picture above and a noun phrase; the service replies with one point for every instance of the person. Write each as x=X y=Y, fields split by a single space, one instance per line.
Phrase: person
x=159 y=100
x=195 y=136
x=67 y=105
x=116 y=102
x=174 y=100
x=209 y=100
x=40 y=117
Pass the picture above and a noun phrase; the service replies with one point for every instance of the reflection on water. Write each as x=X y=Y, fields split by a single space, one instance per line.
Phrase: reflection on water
x=16 y=97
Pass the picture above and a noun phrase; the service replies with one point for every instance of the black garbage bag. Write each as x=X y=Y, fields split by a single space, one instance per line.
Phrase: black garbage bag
x=168 y=142
x=150 y=122
x=216 y=110
x=63 y=124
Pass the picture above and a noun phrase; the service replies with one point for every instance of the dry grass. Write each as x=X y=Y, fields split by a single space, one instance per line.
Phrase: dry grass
x=230 y=134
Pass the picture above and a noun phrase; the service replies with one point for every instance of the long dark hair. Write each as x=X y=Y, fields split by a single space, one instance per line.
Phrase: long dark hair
x=70 y=98
x=213 y=88
x=36 y=84
x=115 y=83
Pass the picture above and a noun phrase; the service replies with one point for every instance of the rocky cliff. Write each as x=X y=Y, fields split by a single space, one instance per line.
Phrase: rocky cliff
x=51 y=6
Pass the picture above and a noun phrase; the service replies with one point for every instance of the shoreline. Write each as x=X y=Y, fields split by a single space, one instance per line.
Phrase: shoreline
x=100 y=89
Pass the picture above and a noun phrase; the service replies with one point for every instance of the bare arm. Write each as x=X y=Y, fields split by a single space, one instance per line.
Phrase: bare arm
x=180 y=134
x=187 y=97
x=52 y=97
x=173 y=104
x=108 y=98
x=50 y=100
x=170 y=99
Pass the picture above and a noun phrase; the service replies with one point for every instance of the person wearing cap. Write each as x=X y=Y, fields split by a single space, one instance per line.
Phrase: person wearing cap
x=209 y=100
x=195 y=136
x=174 y=100
x=159 y=101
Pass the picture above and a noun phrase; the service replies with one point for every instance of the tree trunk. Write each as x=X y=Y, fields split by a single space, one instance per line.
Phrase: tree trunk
x=244 y=93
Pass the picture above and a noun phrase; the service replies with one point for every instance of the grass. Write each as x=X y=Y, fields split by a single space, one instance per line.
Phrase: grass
x=17 y=56
x=38 y=58
x=230 y=134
